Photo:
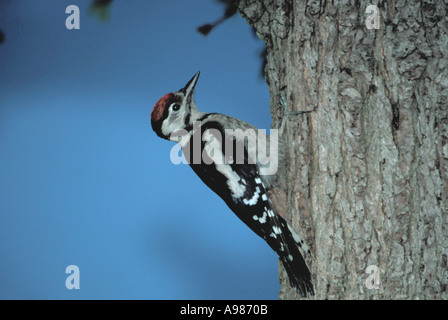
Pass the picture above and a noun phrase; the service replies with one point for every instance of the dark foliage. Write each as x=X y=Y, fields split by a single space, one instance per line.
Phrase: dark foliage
x=229 y=11
x=101 y=8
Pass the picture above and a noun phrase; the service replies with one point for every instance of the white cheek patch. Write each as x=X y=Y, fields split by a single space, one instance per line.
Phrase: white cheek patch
x=174 y=122
x=166 y=128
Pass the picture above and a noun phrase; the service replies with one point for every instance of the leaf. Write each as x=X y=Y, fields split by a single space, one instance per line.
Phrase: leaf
x=100 y=8
x=205 y=29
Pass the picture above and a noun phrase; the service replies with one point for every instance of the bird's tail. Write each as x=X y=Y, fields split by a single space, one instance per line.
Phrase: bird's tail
x=298 y=272
x=295 y=266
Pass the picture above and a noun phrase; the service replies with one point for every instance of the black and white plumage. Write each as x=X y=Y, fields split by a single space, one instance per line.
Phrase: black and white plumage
x=212 y=144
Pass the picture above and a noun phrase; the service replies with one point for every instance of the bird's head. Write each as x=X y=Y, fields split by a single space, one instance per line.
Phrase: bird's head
x=175 y=111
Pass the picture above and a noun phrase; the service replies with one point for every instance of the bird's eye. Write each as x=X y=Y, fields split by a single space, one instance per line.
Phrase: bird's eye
x=176 y=107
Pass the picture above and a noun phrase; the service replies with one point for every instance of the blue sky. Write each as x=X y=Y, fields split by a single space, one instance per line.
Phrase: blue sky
x=83 y=178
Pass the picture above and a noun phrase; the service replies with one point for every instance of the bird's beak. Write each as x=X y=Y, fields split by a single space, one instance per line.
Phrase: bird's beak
x=189 y=88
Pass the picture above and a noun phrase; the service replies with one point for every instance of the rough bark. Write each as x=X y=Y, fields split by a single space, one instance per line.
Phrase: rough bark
x=367 y=180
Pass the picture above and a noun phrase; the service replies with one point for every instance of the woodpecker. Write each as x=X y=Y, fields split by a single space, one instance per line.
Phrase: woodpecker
x=227 y=155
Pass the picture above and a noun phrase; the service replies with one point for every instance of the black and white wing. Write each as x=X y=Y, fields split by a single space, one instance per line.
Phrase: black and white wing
x=241 y=186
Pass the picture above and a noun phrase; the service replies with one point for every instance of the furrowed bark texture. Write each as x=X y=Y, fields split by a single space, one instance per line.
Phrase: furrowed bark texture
x=367 y=180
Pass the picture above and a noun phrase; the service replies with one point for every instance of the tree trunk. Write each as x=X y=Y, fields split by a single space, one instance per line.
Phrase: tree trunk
x=367 y=181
